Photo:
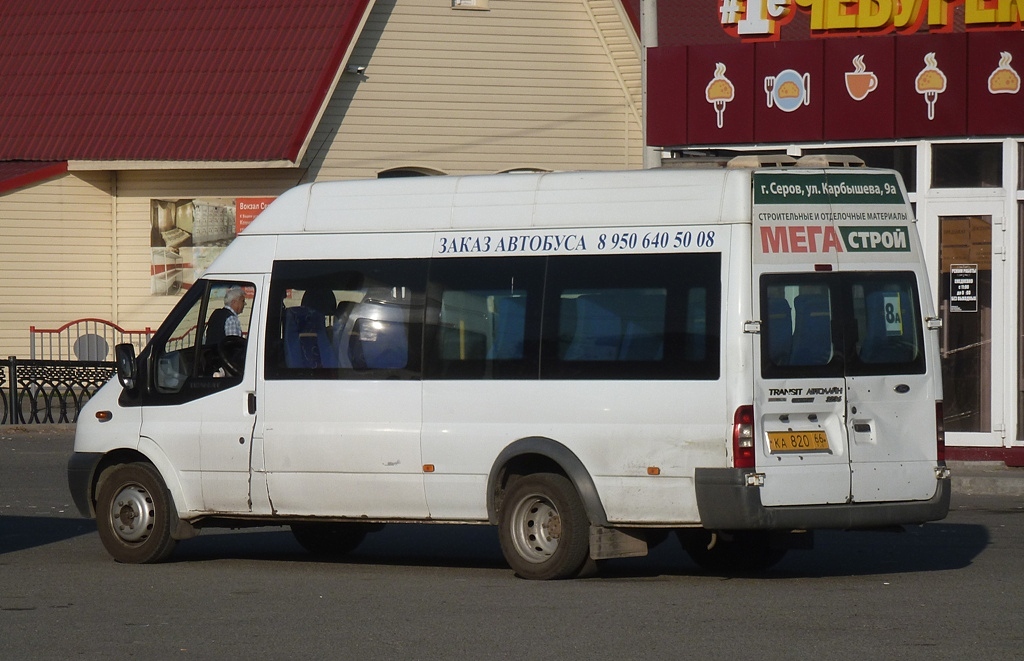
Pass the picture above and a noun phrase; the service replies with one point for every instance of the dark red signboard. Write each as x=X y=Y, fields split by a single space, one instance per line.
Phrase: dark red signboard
x=666 y=115
x=931 y=86
x=720 y=96
x=859 y=88
x=995 y=84
x=788 y=79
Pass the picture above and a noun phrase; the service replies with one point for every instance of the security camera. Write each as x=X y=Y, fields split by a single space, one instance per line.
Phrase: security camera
x=357 y=69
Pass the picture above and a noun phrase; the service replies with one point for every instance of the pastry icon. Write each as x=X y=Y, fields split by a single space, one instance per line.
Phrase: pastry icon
x=719 y=92
x=789 y=90
x=930 y=82
x=1004 y=80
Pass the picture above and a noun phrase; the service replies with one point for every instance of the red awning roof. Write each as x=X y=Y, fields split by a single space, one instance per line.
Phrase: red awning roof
x=168 y=80
x=18 y=174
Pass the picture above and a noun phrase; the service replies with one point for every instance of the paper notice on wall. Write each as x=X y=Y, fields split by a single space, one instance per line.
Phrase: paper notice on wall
x=963 y=288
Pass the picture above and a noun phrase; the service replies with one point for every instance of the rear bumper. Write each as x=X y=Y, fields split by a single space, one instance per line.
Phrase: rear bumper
x=726 y=502
x=81 y=468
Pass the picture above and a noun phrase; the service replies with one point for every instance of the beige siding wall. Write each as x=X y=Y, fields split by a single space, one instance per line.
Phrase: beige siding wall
x=60 y=258
x=527 y=84
x=55 y=256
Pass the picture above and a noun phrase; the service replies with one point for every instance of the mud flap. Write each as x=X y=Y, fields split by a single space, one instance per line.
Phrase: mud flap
x=608 y=543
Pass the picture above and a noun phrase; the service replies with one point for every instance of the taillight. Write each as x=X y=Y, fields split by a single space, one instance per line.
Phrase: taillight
x=940 y=434
x=743 y=437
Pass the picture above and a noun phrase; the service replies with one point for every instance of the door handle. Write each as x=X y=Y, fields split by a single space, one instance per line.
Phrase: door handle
x=252 y=403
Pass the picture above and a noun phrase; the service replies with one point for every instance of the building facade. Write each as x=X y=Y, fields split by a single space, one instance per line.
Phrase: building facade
x=932 y=89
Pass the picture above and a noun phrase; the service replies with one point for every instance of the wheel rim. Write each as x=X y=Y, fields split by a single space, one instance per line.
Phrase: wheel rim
x=536 y=528
x=132 y=513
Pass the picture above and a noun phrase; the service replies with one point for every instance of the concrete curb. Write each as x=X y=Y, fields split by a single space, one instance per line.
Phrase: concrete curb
x=986 y=478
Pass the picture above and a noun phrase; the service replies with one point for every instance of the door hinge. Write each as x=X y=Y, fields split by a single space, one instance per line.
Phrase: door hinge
x=752 y=326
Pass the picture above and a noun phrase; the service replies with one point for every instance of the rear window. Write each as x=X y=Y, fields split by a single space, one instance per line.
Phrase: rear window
x=835 y=324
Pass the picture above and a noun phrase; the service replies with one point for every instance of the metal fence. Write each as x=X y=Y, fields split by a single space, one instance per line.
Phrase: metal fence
x=83 y=340
x=48 y=391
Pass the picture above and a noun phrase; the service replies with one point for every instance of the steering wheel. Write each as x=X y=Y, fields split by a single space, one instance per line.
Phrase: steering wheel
x=231 y=351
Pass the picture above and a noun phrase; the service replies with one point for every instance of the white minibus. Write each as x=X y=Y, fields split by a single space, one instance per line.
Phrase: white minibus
x=588 y=360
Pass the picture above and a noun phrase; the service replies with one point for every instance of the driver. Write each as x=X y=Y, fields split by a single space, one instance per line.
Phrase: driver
x=224 y=322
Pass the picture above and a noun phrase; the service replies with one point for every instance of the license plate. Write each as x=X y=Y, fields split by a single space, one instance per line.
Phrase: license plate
x=798 y=441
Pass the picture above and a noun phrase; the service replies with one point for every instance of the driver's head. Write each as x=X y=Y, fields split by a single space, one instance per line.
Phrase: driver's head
x=234 y=298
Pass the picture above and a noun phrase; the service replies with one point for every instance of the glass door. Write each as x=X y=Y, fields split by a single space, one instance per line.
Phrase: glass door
x=972 y=301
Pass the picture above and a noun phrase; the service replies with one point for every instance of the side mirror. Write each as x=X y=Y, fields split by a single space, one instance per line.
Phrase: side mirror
x=124 y=354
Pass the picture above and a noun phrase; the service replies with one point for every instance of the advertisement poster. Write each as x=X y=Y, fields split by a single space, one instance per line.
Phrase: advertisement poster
x=186 y=235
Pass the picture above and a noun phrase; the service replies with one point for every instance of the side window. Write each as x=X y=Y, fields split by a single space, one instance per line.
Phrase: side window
x=204 y=339
x=341 y=319
x=614 y=324
x=483 y=319
x=632 y=317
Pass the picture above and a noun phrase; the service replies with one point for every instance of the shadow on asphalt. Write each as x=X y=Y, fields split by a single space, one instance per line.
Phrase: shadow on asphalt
x=927 y=548
x=931 y=547
x=18 y=533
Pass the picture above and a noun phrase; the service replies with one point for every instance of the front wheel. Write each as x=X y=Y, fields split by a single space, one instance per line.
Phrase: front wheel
x=543 y=528
x=135 y=514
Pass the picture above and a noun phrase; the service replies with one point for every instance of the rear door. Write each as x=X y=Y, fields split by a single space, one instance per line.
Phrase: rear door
x=892 y=362
x=890 y=394
x=799 y=386
x=800 y=397
x=846 y=397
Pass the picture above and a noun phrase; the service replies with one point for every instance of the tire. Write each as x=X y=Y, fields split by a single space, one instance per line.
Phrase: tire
x=746 y=551
x=543 y=528
x=330 y=539
x=135 y=514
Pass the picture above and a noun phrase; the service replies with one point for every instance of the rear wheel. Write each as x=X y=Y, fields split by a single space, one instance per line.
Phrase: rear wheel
x=543 y=528
x=737 y=551
x=330 y=539
x=135 y=514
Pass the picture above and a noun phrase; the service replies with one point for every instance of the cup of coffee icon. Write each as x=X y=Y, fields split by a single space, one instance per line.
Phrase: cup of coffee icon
x=860 y=83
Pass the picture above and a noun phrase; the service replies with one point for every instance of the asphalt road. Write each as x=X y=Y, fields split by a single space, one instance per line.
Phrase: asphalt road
x=947 y=590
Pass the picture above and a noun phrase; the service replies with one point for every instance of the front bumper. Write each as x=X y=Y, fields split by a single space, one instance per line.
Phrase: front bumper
x=726 y=502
